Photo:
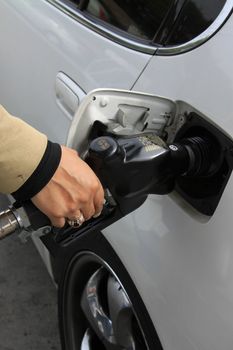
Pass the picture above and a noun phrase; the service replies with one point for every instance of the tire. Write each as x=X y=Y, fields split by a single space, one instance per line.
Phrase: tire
x=98 y=303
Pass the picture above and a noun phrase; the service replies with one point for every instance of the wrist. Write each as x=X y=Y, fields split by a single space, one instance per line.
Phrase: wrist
x=42 y=174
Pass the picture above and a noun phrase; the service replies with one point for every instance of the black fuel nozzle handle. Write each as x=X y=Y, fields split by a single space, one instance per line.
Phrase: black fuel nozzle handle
x=135 y=166
x=131 y=167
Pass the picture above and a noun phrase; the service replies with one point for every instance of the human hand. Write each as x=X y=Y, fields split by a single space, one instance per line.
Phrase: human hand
x=74 y=190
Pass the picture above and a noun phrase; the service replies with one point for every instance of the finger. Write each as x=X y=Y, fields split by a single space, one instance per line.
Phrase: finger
x=74 y=214
x=57 y=222
x=88 y=211
x=99 y=202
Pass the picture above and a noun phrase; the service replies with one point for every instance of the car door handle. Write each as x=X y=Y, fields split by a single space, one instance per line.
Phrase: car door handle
x=68 y=94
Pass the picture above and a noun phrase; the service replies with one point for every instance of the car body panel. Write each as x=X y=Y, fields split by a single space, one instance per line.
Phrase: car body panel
x=181 y=265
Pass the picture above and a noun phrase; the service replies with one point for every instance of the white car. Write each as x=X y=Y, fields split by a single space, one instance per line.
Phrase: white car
x=160 y=277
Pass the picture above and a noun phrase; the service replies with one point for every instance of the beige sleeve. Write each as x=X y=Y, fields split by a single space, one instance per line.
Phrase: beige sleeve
x=21 y=149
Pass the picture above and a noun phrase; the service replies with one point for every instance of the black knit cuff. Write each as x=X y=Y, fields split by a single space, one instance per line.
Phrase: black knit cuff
x=42 y=174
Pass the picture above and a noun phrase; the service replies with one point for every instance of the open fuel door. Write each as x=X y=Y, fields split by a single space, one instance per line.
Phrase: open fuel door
x=123 y=113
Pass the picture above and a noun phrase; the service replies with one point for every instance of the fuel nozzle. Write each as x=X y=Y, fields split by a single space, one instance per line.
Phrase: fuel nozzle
x=133 y=167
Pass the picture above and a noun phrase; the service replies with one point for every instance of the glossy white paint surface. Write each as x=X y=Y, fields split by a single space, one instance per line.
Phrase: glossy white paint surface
x=181 y=264
x=37 y=42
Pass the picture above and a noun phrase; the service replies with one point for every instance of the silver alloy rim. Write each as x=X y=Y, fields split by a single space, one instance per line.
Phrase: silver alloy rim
x=114 y=327
x=107 y=312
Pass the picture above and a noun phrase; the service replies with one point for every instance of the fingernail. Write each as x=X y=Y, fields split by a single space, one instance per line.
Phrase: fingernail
x=96 y=215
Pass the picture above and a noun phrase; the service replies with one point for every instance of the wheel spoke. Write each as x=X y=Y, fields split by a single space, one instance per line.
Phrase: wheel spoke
x=107 y=312
x=121 y=314
x=86 y=342
x=93 y=310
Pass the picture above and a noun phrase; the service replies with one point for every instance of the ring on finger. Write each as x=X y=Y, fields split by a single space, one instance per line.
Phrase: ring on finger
x=76 y=222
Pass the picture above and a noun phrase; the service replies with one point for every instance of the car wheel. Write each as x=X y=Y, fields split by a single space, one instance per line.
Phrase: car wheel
x=100 y=308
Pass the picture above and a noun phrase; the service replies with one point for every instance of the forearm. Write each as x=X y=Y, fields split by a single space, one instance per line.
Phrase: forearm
x=27 y=159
